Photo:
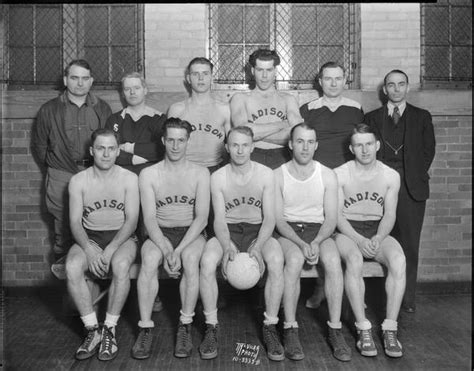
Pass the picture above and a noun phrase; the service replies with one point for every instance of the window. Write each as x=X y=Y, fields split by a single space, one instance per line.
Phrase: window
x=447 y=43
x=43 y=39
x=305 y=35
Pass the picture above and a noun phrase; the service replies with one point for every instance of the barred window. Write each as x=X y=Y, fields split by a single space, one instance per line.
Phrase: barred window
x=42 y=39
x=305 y=35
x=447 y=43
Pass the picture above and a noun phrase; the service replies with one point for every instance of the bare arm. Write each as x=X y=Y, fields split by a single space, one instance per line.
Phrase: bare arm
x=330 y=205
x=220 y=226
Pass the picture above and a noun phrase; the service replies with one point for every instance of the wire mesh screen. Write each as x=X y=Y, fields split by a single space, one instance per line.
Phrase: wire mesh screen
x=43 y=39
x=447 y=42
x=304 y=35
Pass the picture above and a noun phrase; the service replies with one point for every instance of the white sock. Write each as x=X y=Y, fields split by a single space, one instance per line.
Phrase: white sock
x=111 y=319
x=185 y=318
x=211 y=317
x=336 y=325
x=389 y=324
x=146 y=324
x=293 y=324
x=269 y=320
x=90 y=320
x=364 y=325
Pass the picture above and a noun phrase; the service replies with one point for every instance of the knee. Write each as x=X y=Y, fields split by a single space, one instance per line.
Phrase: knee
x=274 y=263
x=294 y=263
x=74 y=269
x=190 y=262
x=151 y=258
x=397 y=265
x=331 y=261
x=120 y=268
x=354 y=262
x=208 y=265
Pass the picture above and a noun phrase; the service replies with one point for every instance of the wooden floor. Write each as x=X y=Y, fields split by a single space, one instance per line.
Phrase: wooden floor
x=38 y=336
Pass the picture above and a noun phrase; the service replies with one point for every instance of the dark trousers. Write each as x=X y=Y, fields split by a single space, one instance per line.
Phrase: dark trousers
x=407 y=231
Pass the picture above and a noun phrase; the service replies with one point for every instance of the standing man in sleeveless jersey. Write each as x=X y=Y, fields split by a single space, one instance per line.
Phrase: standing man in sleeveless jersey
x=104 y=204
x=368 y=193
x=175 y=200
x=243 y=198
x=269 y=113
x=306 y=216
x=209 y=117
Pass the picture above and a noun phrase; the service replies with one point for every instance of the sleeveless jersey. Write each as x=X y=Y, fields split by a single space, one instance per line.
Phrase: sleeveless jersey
x=303 y=200
x=206 y=144
x=364 y=198
x=104 y=205
x=174 y=197
x=243 y=203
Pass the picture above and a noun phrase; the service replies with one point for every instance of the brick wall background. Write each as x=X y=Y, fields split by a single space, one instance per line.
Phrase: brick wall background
x=176 y=33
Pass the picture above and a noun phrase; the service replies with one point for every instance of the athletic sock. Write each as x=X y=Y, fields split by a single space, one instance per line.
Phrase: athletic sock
x=269 y=320
x=293 y=324
x=335 y=325
x=111 y=319
x=146 y=324
x=90 y=320
x=364 y=325
x=185 y=318
x=211 y=317
x=389 y=325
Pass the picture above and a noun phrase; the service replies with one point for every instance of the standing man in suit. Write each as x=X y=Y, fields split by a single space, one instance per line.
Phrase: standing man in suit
x=408 y=145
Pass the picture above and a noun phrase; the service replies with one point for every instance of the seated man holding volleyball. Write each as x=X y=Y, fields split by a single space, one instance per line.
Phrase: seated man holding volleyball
x=306 y=216
x=243 y=200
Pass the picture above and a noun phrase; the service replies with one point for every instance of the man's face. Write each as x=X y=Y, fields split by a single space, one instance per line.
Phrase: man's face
x=79 y=81
x=264 y=73
x=176 y=142
x=200 y=77
x=303 y=144
x=332 y=81
x=239 y=146
x=134 y=91
x=364 y=146
x=396 y=88
x=104 y=151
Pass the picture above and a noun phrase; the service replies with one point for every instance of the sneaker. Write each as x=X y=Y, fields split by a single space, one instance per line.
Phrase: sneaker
x=366 y=344
x=293 y=348
x=157 y=305
x=142 y=347
x=90 y=345
x=208 y=347
x=392 y=346
x=184 y=344
x=274 y=348
x=108 y=346
x=340 y=349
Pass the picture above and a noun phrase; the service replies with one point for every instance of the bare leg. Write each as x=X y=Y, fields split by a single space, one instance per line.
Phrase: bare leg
x=294 y=261
x=273 y=258
x=211 y=257
x=189 y=285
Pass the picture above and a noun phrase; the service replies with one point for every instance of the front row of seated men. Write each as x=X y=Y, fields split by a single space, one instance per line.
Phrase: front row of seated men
x=303 y=199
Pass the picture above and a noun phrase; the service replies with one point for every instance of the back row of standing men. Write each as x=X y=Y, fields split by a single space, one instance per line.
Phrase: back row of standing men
x=405 y=132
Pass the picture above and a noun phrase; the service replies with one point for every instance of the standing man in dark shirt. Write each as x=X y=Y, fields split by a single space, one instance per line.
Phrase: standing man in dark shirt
x=61 y=140
x=138 y=127
x=333 y=117
x=408 y=145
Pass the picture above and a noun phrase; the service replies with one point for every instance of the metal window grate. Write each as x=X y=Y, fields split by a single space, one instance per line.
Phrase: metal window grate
x=305 y=35
x=42 y=39
x=447 y=41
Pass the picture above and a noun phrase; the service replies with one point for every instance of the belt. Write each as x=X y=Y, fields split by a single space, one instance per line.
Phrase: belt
x=85 y=162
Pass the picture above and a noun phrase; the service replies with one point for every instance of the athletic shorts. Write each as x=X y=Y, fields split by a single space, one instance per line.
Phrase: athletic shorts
x=174 y=234
x=306 y=231
x=367 y=228
x=243 y=234
x=103 y=238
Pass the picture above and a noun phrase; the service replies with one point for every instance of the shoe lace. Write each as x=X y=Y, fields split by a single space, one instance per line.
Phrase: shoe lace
x=107 y=339
x=271 y=337
x=366 y=337
x=182 y=335
x=145 y=337
x=336 y=338
x=210 y=337
x=391 y=338
x=89 y=338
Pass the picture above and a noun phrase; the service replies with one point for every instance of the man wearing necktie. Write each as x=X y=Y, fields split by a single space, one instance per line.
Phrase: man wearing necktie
x=408 y=145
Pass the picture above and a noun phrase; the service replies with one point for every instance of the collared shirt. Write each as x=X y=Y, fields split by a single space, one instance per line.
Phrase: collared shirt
x=391 y=106
x=79 y=123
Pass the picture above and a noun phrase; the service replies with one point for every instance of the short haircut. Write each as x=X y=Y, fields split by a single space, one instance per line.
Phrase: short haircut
x=199 y=60
x=303 y=125
x=134 y=75
x=363 y=129
x=176 y=123
x=245 y=130
x=394 y=71
x=264 y=55
x=103 y=132
x=77 y=62
x=331 y=64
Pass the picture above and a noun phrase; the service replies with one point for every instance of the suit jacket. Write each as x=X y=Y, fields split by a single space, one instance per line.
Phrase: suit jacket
x=419 y=146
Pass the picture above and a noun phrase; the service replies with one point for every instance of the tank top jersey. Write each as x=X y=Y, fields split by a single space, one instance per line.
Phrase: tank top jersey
x=206 y=146
x=303 y=200
x=104 y=206
x=364 y=198
x=243 y=202
x=174 y=198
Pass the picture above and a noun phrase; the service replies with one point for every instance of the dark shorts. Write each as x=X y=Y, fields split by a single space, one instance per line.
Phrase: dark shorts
x=306 y=231
x=174 y=234
x=272 y=158
x=243 y=234
x=367 y=228
x=103 y=238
